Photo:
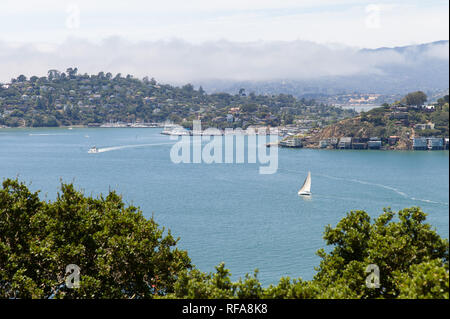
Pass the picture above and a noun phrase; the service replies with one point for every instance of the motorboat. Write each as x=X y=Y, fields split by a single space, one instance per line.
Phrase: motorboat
x=93 y=150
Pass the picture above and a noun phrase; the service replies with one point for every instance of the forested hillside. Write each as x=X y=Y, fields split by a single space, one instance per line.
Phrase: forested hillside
x=69 y=98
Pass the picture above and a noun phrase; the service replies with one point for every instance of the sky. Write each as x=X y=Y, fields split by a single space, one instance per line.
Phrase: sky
x=39 y=34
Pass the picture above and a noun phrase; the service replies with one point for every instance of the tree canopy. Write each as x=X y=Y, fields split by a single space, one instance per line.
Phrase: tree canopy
x=417 y=98
x=69 y=98
x=411 y=257
x=121 y=254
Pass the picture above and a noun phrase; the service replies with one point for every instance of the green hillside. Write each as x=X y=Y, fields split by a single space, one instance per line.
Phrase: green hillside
x=69 y=98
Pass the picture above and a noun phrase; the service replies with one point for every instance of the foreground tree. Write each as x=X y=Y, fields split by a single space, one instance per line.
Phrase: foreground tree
x=123 y=255
x=396 y=248
x=411 y=257
x=120 y=253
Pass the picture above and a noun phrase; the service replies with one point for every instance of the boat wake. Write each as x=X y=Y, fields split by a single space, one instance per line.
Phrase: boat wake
x=46 y=134
x=399 y=192
x=395 y=190
x=390 y=188
x=429 y=201
x=114 y=148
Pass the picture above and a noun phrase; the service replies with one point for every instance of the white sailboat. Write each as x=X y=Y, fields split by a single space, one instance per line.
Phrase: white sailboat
x=306 y=188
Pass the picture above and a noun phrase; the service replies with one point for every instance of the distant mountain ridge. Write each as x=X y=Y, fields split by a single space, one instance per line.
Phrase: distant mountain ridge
x=406 y=47
x=407 y=68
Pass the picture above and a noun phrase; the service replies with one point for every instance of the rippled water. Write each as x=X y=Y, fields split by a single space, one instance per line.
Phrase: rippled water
x=229 y=212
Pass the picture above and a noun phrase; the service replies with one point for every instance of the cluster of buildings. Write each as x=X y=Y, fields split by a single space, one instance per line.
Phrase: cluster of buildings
x=352 y=99
x=177 y=130
x=372 y=143
x=430 y=143
x=376 y=143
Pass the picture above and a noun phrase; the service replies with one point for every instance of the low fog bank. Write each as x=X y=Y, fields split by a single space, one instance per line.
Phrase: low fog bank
x=212 y=63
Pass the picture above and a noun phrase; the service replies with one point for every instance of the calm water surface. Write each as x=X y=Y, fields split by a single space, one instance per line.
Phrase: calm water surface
x=229 y=212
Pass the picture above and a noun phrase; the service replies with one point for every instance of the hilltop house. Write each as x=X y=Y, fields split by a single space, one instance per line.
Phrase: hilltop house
x=427 y=126
x=234 y=110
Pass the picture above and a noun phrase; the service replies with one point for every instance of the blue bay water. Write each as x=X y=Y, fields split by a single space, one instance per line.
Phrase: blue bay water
x=229 y=212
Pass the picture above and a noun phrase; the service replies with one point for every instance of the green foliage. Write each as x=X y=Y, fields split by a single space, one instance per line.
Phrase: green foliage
x=69 y=98
x=120 y=253
x=417 y=98
x=197 y=285
x=443 y=100
x=123 y=255
x=395 y=120
x=428 y=280
x=430 y=132
x=411 y=257
x=392 y=246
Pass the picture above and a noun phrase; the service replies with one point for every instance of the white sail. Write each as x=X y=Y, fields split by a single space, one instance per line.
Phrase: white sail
x=306 y=188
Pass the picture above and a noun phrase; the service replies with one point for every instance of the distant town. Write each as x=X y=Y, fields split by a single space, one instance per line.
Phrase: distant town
x=68 y=98
x=346 y=121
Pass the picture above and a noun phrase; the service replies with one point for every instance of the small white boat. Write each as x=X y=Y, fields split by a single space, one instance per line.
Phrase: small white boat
x=306 y=188
x=93 y=150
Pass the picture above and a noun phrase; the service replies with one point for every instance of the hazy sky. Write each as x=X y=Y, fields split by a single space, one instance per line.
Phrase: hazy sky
x=235 y=38
x=358 y=23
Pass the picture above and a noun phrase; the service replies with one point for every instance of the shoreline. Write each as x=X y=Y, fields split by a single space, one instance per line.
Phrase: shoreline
x=73 y=126
x=270 y=144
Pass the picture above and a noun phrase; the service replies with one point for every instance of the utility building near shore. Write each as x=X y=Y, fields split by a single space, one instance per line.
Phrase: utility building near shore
x=324 y=143
x=420 y=144
x=435 y=143
x=359 y=143
x=345 y=143
x=374 y=143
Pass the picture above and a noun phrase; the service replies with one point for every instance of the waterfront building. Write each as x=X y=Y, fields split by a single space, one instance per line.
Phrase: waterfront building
x=392 y=140
x=435 y=143
x=345 y=143
x=293 y=142
x=374 y=143
x=324 y=143
x=359 y=143
x=420 y=143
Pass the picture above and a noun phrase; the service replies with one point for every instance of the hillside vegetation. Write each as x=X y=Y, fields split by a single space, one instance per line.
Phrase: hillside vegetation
x=69 y=98
x=121 y=254
x=398 y=119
